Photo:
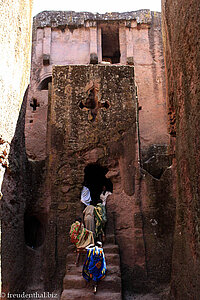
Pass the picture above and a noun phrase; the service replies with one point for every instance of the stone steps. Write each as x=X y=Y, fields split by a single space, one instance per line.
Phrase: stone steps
x=75 y=287
x=111 y=282
x=108 y=248
x=111 y=248
x=111 y=258
x=110 y=239
x=83 y=294
x=73 y=269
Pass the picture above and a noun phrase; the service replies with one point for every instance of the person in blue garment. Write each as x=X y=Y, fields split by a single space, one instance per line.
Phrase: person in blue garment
x=94 y=267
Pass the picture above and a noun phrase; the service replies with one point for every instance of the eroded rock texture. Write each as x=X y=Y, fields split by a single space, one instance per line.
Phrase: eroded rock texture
x=181 y=28
x=15 y=41
x=15 y=46
x=138 y=161
x=16 y=189
x=94 y=116
x=92 y=119
x=77 y=139
x=63 y=38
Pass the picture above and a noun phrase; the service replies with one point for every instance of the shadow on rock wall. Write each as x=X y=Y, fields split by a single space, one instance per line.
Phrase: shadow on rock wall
x=23 y=220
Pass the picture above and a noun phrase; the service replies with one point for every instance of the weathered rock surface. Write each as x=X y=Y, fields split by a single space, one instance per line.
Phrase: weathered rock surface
x=16 y=190
x=181 y=27
x=63 y=38
x=15 y=46
x=15 y=42
x=79 y=136
x=77 y=19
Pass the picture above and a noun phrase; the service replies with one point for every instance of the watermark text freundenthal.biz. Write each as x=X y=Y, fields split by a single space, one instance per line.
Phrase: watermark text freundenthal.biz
x=25 y=295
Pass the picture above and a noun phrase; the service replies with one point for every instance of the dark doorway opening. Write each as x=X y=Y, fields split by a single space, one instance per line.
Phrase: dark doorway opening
x=95 y=179
x=110 y=43
x=34 y=231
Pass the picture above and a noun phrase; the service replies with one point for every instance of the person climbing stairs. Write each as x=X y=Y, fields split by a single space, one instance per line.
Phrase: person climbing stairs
x=75 y=287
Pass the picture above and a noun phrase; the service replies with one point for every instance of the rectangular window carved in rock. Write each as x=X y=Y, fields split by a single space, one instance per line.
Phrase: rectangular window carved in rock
x=110 y=43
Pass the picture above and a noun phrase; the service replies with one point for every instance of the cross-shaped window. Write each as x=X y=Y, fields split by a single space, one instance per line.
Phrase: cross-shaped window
x=34 y=104
x=93 y=104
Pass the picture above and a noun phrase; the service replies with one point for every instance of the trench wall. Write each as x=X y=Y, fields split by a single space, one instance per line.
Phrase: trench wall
x=15 y=48
x=15 y=44
x=181 y=44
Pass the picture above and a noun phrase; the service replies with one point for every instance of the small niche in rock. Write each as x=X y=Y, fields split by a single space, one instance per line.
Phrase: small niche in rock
x=34 y=231
x=44 y=85
x=95 y=179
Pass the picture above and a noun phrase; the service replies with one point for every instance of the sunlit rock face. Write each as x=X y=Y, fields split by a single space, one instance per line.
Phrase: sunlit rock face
x=15 y=42
x=181 y=28
x=133 y=38
x=15 y=53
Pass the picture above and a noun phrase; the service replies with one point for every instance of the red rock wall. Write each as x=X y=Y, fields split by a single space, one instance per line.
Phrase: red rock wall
x=181 y=30
x=146 y=199
x=15 y=50
x=140 y=42
x=143 y=205
x=16 y=193
x=74 y=141
x=150 y=80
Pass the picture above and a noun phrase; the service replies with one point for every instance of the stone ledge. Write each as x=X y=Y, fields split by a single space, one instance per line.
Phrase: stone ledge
x=78 y=19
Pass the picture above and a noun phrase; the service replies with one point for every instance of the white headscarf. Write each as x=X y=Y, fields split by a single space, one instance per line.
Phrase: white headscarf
x=85 y=196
